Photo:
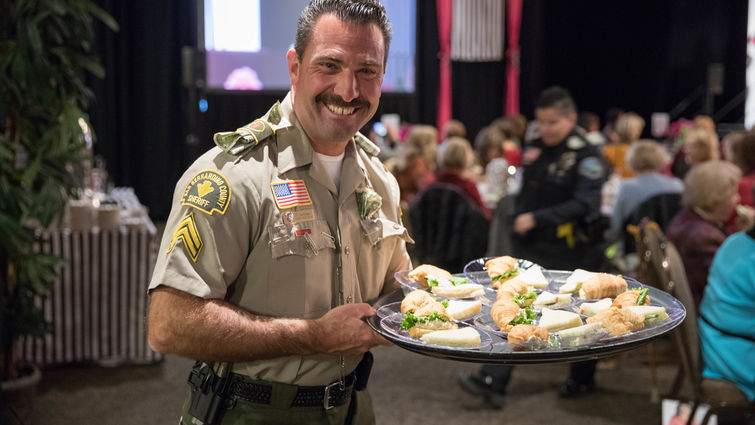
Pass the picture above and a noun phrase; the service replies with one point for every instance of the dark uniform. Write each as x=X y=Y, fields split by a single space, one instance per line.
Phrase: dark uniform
x=562 y=187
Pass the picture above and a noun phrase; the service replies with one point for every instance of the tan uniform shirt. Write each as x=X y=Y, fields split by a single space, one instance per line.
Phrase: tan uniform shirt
x=267 y=222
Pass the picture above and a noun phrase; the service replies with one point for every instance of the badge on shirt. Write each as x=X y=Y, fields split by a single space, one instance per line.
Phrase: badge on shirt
x=575 y=143
x=208 y=192
x=299 y=216
x=290 y=193
x=591 y=168
x=187 y=232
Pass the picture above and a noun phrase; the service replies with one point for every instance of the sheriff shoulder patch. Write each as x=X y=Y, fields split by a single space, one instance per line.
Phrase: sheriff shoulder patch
x=591 y=168
x=208 y=192
x=187 y=232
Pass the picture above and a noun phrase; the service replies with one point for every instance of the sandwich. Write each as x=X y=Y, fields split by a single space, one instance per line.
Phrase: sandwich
x=421 y=273
x=581 y=335
x=466 y=337
x=511 y=288
x=652 y=314
x=632 y=297
x=619 y=320
x=602 y=285
x=429 y=318
x=556 y=320
x=507 y=314
x=533 y=277
x=462 y=309
x=591 y=309
x=550 y=300
x=575 y=280
x=526 y=333
x=501 y=269
x=414 y=300
x=455 y=287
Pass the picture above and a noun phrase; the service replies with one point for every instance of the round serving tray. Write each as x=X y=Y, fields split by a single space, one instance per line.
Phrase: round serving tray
x=500 y=351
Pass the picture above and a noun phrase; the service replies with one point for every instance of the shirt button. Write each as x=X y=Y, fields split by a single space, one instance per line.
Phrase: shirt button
x=346 y=250
x=396 y=226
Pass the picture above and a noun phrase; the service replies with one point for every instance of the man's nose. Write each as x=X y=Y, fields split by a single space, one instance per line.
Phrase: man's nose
x=347 y=86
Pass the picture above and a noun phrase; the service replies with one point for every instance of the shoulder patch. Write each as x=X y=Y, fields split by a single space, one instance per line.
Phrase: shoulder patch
x=363 y=142
x=591 y=168
x=575 y=143
x=208 y=192
x=187 y=232
x=235 y=142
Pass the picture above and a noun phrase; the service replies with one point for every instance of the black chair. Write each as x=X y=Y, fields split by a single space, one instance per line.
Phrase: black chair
x=449 y=229
x=659 y=208
x=501 y=228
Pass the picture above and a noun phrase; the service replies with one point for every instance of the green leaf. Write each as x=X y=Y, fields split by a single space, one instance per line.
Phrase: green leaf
x=522 y=298
x=100 y=14
x=431 y=282
x=507 y=275
x=456 y=281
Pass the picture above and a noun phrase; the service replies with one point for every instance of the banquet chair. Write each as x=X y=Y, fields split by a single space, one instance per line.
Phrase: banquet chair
x=502 y=228
x=662 y=267
x=449 y=229
x=660 y=209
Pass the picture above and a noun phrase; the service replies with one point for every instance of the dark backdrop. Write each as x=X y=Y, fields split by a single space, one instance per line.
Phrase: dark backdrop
x=644 y=56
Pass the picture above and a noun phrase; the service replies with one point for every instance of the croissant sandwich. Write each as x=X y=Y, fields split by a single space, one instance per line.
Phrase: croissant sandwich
x=501 y=269
x=427 y=318
x=632 y=297
x=421 y=273
x=618 y=320
x=523 y=333
x=602 y=285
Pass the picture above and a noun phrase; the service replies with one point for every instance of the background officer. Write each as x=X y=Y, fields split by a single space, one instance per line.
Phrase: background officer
x=281 y=235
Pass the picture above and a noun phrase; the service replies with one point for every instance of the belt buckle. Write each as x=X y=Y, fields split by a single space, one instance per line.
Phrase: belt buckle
x=326 y=397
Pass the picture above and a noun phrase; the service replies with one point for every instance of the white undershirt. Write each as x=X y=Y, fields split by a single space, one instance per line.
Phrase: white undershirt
x=332 y=166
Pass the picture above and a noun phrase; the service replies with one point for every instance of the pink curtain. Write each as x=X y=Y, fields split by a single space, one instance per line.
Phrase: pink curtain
x=514 y=24
x=444 y=8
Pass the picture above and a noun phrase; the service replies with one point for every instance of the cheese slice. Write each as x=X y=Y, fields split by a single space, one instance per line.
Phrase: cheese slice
x=591 y=309
x=547 y=299
x=652 y=313
x=463 y=310
x=467 y=337
x=583 y=330
x=574 y=281
x=467 y=290
x=534 y=278
x=556 y=320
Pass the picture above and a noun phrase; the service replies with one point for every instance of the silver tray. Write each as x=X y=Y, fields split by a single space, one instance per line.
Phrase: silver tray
x=499 y=350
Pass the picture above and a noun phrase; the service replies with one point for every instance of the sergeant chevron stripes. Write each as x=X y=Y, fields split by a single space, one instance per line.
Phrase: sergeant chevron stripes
x=187 y=232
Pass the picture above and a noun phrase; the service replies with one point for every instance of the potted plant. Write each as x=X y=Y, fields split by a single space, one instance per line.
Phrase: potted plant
x=44 y=58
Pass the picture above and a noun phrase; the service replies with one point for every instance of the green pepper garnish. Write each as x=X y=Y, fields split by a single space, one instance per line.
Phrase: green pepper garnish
x=642 y=296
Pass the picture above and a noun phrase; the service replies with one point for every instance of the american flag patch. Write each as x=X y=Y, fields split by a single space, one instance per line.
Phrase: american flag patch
x=290 y=194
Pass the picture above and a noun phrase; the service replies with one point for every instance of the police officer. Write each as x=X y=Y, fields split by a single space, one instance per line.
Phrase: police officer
x=557 y=220
x=281 y=235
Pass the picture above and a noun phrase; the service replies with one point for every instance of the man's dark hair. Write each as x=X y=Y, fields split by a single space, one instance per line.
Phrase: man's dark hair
x=557 y=98
x=360 y=12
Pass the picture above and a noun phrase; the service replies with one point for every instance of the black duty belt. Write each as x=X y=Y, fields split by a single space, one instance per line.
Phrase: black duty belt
x=327 y=396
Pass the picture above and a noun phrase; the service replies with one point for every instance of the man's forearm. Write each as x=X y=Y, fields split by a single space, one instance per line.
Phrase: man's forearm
x=189 y=326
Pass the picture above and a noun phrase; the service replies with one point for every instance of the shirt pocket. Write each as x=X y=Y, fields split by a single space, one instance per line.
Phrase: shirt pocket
x=378 y=228
x=304 y=239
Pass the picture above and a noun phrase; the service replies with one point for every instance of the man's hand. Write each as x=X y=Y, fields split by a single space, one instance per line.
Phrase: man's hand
x=524 y=223
x=342 y=330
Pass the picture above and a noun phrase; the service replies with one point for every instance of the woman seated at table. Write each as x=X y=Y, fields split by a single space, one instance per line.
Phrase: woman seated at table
x=454 y=168
x=697 y=230
x=647 y=159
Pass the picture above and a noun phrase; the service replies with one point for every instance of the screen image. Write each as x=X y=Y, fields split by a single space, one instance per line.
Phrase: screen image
x=246 y=41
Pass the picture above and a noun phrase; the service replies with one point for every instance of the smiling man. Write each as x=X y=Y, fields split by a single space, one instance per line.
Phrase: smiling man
x=281 y=237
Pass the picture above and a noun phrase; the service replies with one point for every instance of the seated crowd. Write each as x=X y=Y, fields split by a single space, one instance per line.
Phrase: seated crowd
x=561 y=168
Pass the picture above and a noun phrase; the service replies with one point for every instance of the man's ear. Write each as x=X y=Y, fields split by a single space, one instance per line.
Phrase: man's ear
x=293 y=67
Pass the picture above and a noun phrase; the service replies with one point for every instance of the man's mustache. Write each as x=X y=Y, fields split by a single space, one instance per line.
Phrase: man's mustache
x=333 y=99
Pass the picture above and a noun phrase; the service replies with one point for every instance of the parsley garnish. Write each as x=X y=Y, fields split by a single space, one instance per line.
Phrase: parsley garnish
x=431 y=281
x=410 y=320
x=524 y=318
x=445 y=303
x=520 y=299
x=508 y=274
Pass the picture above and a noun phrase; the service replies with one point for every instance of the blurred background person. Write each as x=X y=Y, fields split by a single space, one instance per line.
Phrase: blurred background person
x=700 y=145
x=697 y=230
x=590 y=122
x=454 y=166
x=415 y=171
x=727 y=318
x=628 y=129
x=647 y=159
